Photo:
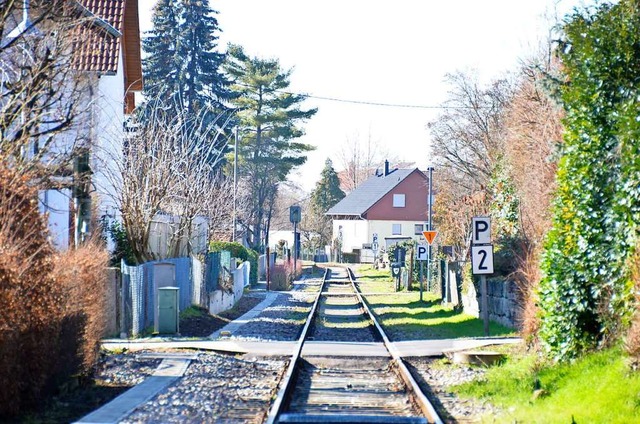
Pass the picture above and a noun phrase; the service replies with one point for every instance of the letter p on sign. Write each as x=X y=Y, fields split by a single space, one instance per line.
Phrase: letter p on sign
x=481 y=230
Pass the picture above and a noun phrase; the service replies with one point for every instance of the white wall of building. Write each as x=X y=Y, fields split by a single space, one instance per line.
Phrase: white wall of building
x=355 y=233
x=108 y=137
x=56 y=204
x=384 y=229
x=276 y=236
x=102 y=125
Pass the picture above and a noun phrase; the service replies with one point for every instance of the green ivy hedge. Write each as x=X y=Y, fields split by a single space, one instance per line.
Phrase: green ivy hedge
x=585 y=293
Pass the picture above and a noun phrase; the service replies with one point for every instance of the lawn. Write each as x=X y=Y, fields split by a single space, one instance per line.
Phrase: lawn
x=372 y=280
x=404 y=317
x=598 y=388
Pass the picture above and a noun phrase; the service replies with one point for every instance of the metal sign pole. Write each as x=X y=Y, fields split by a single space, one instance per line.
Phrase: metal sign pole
x=295 y=246
x=482 y=260
x=485 y=304
x=429 y=203
x=421 y=265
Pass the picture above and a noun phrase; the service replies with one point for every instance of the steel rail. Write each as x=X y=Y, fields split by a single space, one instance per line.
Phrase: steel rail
x=286 y=387
x=423 y=402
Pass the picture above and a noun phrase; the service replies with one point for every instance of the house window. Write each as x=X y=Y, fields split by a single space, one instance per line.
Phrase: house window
x=398 y=200
x=396 y=229
x=419 y=228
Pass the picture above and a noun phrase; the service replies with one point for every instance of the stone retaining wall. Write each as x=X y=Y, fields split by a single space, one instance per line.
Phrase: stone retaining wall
x=504 y=302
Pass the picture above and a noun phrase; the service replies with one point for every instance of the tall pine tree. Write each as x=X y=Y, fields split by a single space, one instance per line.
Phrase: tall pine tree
x=325 y=195
x=161 y=66
x=327 y=192
x=269 y=117
x=201 y=80
x=182 y=64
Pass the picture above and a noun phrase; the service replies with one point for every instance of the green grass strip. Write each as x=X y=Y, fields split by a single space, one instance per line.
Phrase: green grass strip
x=598 y=388
x=404 y=317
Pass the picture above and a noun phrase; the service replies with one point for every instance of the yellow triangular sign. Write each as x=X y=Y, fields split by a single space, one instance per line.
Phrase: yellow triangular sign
x=430 y=236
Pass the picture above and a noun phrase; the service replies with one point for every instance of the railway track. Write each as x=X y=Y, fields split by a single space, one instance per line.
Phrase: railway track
x=362 y=389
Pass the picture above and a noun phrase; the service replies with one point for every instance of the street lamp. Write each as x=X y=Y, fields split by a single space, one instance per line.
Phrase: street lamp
x=235 y=181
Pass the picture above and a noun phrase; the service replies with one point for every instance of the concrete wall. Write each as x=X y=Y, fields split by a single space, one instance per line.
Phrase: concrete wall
x=504 y=302
x=162 y=233
x=221 y=300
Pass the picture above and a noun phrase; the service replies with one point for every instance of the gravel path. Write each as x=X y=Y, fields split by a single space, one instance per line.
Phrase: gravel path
x=124 y=369
x=215 y=388
x=284 y=319
x=219 y=388
x=436 y=377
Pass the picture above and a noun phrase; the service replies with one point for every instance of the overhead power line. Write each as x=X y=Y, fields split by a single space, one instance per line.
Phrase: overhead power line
x=363 y=102
x=368 y=103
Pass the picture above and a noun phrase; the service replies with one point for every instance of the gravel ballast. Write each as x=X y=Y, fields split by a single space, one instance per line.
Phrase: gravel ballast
x=435 y=378
x=216 y=388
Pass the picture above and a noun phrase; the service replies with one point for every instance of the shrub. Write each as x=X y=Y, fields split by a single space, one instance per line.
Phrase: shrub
x=118 y=235
x=632 y=341
x=282 y=275
x=253 y=260
x=279 y=278
x=82 y=276
x=585 y=290
x=237 y=250
x=350 y=257
x=240 y=252
x=51 y=303
x=30 y=299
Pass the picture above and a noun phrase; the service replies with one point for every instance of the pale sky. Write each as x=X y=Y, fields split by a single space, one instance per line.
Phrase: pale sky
x=383 y=52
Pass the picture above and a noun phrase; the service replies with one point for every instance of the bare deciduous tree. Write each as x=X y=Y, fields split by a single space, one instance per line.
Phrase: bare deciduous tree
x=534 y=130
x=468 y=144
x=169 y=167
x=469 y=136
x=359 y=161
x=43 y=91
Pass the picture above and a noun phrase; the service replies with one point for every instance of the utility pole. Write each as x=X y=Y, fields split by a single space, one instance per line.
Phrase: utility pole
x=430 y=225
x=235 y=182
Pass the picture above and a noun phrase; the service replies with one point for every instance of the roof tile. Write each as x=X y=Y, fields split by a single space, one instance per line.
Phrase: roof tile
x=98 y=50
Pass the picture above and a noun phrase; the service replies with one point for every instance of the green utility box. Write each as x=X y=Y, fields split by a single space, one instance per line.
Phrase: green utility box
x=168 y=313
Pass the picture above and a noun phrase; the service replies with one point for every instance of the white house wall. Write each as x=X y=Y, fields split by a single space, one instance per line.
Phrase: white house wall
x=355 y=233
x=56 y=204
x=384 y=229
x=108 y=137
x=102 y=123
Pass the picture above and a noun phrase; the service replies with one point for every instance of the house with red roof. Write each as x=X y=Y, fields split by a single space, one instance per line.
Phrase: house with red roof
x=108 y=52
x=389 y=207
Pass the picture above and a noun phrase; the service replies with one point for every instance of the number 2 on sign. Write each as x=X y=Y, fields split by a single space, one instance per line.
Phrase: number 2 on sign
x=482 y=259
x=481 y=265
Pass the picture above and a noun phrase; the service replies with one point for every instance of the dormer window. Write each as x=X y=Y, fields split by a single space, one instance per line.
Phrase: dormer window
x=398 y=200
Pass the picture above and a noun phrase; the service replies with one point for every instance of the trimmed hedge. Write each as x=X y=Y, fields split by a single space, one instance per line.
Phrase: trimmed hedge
x=240 y=252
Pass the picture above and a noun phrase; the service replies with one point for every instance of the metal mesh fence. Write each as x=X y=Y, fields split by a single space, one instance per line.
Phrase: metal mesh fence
x=138 y=290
